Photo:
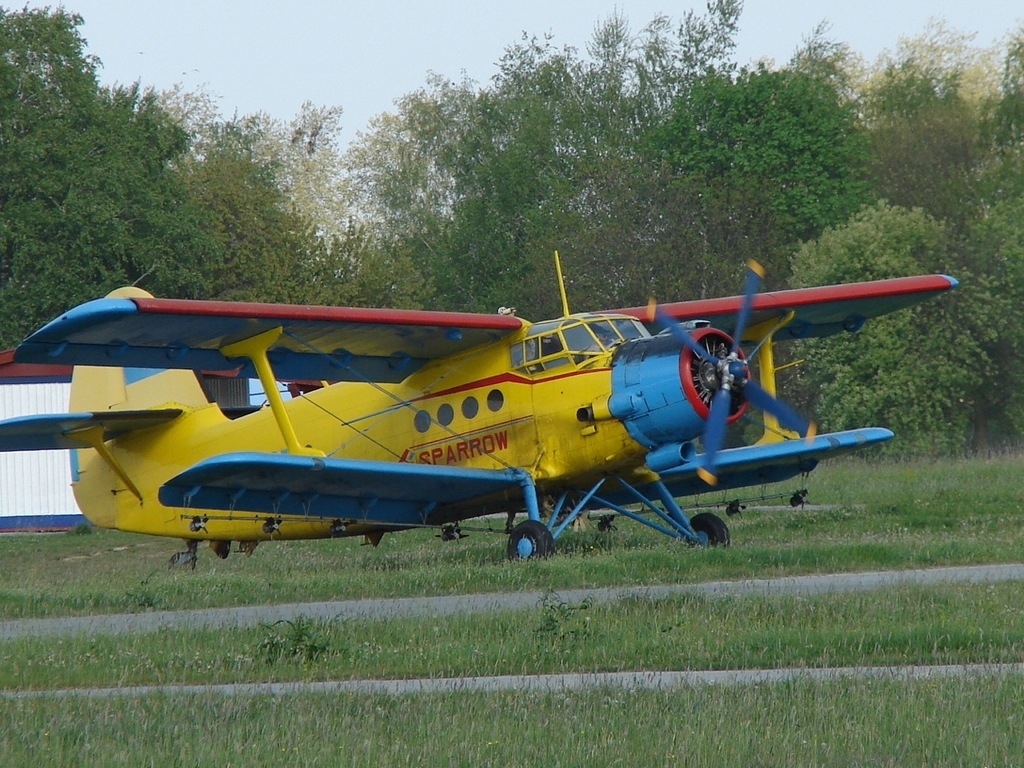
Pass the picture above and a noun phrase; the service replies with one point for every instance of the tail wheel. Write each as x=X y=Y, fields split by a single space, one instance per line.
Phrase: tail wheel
x=530 y=539
x=713 y=527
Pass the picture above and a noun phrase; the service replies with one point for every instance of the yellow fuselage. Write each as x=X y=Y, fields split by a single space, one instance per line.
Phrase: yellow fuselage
x=471 y=410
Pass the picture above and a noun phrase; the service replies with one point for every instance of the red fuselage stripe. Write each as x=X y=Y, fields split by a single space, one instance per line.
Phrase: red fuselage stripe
x=503 y=378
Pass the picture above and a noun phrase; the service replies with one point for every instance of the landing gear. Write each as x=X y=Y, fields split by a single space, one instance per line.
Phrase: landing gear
x=221 y=549
x=451 y=533
x=530 y=538
x=186 y=559
x=713 y=527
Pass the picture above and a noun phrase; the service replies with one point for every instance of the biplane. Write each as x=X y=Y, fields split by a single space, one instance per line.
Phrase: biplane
x=406 y=419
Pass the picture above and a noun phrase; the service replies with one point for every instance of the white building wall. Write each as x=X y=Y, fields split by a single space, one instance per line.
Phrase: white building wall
x=35 y=484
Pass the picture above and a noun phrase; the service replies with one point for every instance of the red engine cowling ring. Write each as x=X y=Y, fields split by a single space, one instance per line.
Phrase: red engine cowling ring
x=693 y=372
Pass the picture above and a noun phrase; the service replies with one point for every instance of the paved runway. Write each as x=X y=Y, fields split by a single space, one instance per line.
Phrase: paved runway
x=455 y=604
x=442 y=606
x=537 y=683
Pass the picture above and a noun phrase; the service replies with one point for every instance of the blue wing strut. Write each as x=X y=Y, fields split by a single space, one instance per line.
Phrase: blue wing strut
x=737 y=467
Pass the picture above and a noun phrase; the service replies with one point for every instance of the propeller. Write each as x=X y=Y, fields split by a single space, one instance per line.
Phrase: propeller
x=733 y=375
x=654 y=314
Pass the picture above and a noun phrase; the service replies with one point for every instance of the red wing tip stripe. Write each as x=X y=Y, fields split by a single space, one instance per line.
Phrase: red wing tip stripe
x=874 y=289
x=797 y=297
x=311 y=313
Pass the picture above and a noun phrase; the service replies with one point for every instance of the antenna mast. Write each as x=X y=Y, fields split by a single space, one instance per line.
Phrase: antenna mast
x=561 y=287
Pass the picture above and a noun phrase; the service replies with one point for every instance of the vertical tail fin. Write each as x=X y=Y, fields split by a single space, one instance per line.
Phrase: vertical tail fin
x=120 y=389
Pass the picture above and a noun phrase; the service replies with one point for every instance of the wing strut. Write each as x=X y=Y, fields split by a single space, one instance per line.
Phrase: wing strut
x=94 y=436
x=255 y=348
x=763 y=334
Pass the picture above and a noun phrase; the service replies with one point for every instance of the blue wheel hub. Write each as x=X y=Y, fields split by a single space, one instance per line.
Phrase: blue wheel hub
x=525 y=547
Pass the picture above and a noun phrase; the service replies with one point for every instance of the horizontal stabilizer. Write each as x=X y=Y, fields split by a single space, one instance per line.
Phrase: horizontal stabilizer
x=316 y=344
x=62 y=431
x=817 y=312
x=379 y=491
x=769 y=462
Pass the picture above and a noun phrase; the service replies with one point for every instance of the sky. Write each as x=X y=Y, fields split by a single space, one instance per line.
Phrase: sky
x=273 y=55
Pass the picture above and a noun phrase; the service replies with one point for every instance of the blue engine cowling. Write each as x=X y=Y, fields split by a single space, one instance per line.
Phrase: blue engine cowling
x=662 y=392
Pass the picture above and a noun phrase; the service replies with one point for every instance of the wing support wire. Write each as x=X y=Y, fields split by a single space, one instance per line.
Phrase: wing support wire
x=255 y=349
x=398 y=403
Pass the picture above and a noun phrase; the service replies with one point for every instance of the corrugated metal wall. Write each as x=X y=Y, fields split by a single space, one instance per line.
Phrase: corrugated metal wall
x=34 y=484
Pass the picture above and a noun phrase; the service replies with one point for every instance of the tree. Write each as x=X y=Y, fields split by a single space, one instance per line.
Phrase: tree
x=1009 y=110
x=88 y=197
x=996 y=251
x=482 y=184
x=924 y=110
x=309 y=168
x=258 y=246
x=276 y=203
x=1003 y=127
x=929 y=373
x=776 y=157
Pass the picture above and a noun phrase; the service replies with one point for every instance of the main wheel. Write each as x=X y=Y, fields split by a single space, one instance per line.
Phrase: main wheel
x=713 y=527
x=530 y=539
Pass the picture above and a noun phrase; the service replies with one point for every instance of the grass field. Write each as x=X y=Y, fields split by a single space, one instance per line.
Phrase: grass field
x=878 y=516
x=967 y=722
x=980 y=624
x=873 y=516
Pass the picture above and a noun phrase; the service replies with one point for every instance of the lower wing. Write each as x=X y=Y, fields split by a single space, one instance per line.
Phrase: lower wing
x=379 y=492
x=770 y=462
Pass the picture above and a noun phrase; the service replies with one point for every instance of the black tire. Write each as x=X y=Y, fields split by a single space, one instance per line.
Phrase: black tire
x=713 y=527
x=530 y=539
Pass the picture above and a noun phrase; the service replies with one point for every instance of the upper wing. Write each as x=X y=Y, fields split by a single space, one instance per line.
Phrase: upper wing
x=372 y=491
x=318 y=343
x=816 y=311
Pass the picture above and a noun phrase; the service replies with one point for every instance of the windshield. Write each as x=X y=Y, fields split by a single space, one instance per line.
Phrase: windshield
x=573 y=341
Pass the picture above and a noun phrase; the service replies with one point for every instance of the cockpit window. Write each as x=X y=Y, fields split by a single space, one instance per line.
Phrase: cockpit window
x=581 y=341
x=605 y=333
x=532 y=348
x=577 y=340
x=517 y=355
x=629 y=328
x=548 y=327
x=550 y=344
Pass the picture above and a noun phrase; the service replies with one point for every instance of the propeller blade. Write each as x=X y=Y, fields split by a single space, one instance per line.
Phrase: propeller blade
x=787 y=417
x=754 y=274
x=714 y=434
x=679 y=332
